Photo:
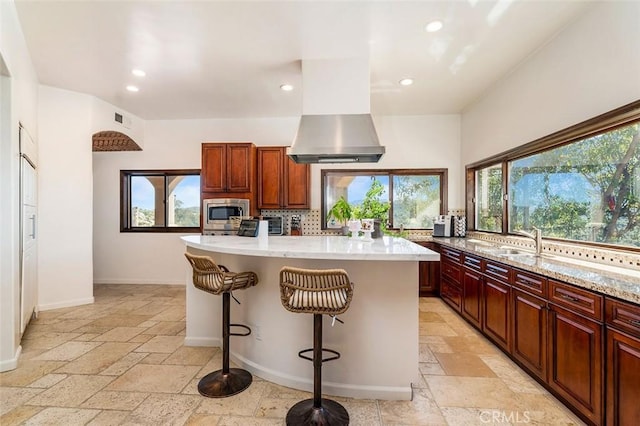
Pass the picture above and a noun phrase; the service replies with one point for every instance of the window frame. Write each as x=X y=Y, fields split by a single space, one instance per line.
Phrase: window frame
x=125 y=201
x=441 y=173
x=503 y=166
x=609 y=121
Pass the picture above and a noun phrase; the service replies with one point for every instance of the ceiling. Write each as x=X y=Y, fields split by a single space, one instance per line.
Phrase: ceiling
x=206 y=59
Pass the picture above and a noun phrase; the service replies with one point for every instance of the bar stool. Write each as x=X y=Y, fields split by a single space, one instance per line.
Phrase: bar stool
x=317 y=292
x=216 y=279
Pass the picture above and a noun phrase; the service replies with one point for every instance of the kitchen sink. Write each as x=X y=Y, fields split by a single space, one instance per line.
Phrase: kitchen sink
x=479 y=242
x=509 y=251
x=505 y=251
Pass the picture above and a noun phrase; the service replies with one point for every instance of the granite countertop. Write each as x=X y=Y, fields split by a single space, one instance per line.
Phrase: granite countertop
x=315 y=247
x=613 y=281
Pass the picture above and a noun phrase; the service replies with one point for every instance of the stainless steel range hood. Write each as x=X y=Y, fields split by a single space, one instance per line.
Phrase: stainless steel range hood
x=336 y=138
x=336 y=124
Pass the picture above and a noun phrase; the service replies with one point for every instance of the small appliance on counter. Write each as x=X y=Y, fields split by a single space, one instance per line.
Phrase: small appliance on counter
x=443 y=226
x=222 y=216
x=248 y=228
x=276 y=224
x=296 y=225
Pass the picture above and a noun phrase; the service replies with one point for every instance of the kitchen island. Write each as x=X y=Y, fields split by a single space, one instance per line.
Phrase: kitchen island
x=378 y=341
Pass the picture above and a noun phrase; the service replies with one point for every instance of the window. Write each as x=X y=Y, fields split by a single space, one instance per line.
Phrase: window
x=400 y=198
x=489 y=198
x=581 y=184
x=160 y=200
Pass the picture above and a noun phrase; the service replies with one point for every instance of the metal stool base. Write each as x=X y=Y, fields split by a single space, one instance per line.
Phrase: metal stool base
x=329 y=413
x=220 y=385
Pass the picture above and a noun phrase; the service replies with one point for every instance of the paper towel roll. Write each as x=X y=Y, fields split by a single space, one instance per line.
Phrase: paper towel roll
x=263 y=230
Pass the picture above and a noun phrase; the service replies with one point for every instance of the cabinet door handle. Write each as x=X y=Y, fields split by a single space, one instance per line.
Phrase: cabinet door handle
x=634 y=322
x=570 y=298
x=33 y=227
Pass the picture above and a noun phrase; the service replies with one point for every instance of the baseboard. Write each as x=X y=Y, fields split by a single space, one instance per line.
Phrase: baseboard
x=66 y=304
x=394 y=393
x=136 y=281
x=12 y=363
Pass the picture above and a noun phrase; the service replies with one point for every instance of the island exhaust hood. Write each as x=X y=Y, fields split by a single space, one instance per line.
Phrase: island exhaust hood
x=336 y=126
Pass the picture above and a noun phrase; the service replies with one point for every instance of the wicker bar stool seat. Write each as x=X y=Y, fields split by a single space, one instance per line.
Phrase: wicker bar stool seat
x=216 y=279
x=317 y=292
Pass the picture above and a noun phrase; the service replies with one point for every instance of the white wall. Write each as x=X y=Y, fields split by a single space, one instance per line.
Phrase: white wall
x=19 y=104
x=411 y=142
x=591 y=67
x=65 y=263
x=103 y=118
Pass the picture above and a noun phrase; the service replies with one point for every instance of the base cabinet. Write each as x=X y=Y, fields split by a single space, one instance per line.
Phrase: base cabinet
x=450 y=293
x=623 y=379
x=575 y=358
x=429 y=274
x=558 y=332
x=471 y=296
x=530 y=332
x=496 y=316
x=623 y=363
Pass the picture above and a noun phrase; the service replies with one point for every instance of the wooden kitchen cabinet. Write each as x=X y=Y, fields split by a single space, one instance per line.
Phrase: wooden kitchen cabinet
x=450 y=293
x=472 y=290
x=496 y=303
x=228 y=167
x=496 y=312
x=575 y=347
x=555 y=331
x=429 y=274
x=282 y=183
x=623 y=363
x=451 y=276
x=530 y=332
x=529 y=322
x=575 y=361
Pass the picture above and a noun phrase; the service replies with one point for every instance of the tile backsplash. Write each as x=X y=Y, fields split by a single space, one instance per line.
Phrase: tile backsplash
x=619 y=258
x=310 y=219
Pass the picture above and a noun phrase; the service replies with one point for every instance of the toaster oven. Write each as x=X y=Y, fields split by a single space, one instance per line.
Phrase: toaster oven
x=276 y=225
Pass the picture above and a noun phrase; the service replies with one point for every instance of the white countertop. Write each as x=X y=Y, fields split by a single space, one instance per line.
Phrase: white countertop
x=315 y=247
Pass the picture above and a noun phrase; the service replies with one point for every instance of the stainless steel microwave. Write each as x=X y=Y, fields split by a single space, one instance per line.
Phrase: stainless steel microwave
x=223 y=215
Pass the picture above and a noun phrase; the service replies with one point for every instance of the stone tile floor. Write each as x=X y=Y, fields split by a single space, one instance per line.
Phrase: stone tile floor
x=121 y=361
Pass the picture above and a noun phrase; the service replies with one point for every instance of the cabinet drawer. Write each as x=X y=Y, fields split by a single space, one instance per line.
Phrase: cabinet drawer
x=532 y=283
x=451 y=271
x=472 y=262
x=497 y=270
x=622 y=315
x=450 y=294
x=578 y=300
x=452 y=254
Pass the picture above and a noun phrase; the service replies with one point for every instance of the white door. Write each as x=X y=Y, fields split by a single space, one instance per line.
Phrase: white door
x=28 y=241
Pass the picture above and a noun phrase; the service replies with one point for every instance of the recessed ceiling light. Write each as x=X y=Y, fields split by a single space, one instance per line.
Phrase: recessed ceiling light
x=406 y=82
x=286 y=87
x=138 y=72
x=132 y=88
x=433 y=26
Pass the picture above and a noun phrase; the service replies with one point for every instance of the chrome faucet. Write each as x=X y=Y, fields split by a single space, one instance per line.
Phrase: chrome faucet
x=536 y=236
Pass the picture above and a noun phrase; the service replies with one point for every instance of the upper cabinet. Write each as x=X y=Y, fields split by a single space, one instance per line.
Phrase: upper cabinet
x=282 y=183
x=228 y=167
